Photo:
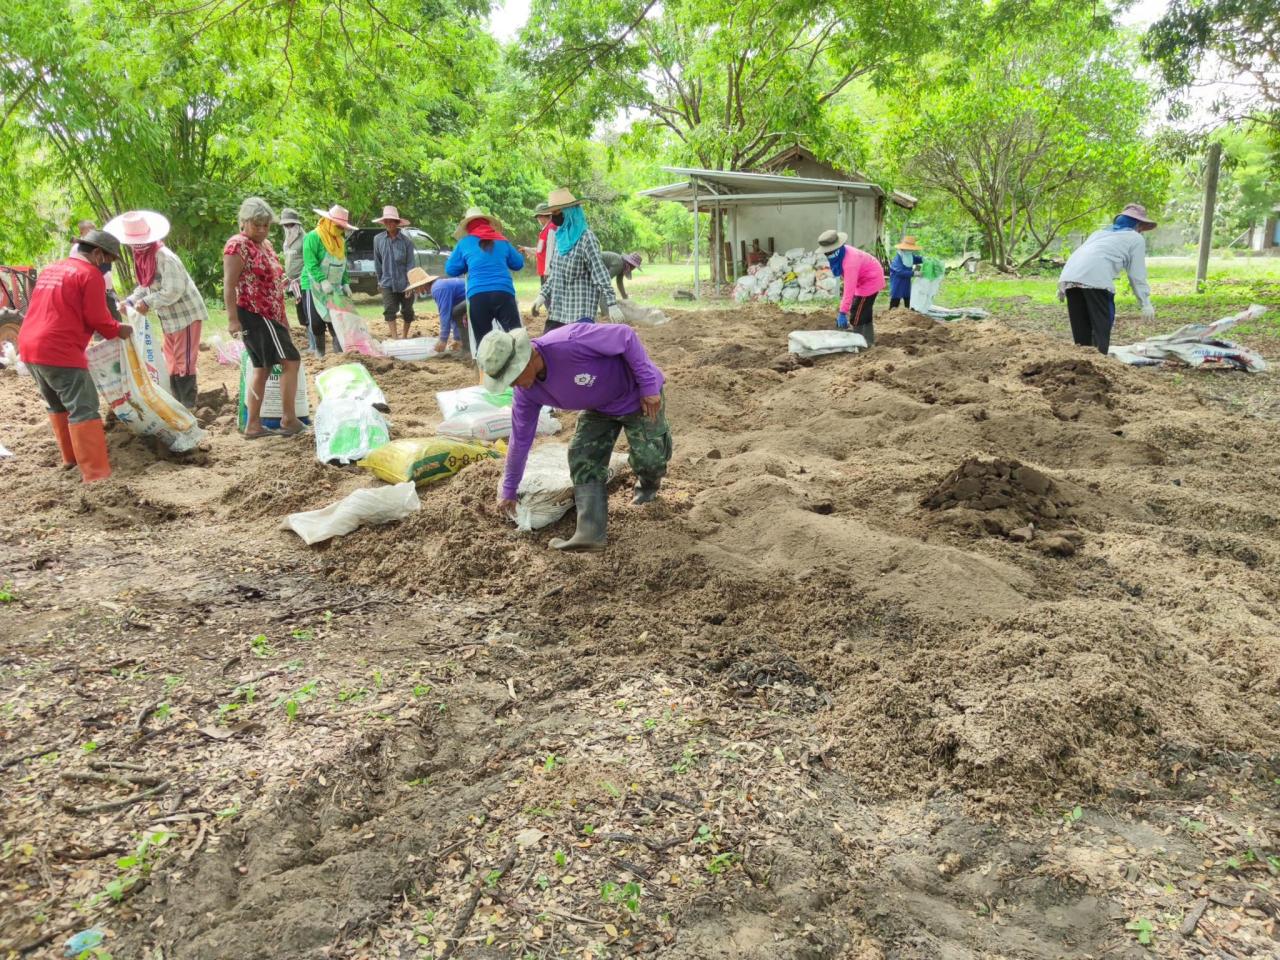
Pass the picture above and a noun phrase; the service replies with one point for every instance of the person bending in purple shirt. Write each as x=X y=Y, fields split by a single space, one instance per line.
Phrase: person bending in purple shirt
x=603 y=371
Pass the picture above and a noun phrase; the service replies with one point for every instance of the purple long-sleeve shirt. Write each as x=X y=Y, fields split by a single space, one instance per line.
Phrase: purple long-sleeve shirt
x=599 y=367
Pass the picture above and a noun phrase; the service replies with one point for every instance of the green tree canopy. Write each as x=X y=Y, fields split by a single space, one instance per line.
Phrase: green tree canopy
x=1040 y=135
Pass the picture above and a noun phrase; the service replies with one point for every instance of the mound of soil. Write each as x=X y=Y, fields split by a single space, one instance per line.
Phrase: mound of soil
x=1009 y=497
x=1072 y=387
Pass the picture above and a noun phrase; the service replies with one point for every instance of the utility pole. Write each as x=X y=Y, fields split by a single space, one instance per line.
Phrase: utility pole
x=1212 y=165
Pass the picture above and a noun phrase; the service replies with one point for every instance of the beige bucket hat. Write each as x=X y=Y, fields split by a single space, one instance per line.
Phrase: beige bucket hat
x=829 y=241
x=502 y=357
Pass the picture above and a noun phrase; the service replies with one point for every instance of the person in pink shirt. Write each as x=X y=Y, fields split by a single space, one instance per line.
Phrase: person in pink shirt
x=863 y=278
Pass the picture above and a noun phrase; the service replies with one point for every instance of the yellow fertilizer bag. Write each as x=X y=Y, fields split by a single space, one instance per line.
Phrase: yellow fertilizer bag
x=424 y=459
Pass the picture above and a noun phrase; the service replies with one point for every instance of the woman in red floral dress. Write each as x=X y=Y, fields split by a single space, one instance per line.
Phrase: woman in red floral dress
x=253 y=287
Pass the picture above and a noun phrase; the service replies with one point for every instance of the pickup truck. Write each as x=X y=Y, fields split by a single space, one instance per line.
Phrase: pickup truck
x=360 y=256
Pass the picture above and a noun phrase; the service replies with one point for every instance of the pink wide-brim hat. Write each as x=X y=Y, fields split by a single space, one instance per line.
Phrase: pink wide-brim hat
x=1138 y=212
x=137 y=228
x=338 y=214
x=391 y=213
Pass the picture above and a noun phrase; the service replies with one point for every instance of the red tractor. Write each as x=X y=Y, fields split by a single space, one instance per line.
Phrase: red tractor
x=16 y=284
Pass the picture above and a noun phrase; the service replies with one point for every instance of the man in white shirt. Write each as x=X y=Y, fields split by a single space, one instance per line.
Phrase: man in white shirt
x=1088 y=281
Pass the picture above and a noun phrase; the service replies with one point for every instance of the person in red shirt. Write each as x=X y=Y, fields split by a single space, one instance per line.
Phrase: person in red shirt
x=68 y=305
x=545 y=230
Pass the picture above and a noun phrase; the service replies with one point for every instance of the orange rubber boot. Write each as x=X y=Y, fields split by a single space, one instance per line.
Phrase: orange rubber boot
x=90 y=443
x=62 y=433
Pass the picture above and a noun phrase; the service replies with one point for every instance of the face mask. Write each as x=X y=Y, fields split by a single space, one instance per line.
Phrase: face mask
x=558 y=219
x=104 y=267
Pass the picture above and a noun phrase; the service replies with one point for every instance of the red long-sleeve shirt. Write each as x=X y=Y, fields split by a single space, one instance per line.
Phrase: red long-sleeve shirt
x=68 y=304
x=545 y=239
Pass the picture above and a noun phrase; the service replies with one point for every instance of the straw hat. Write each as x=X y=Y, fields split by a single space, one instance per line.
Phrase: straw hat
x=475 y=213
x=137 y=228
x=338 y=214
x=503 y=356
x=908 y=243
x=391 y=213
x=829 y=241
x=542 y=210
x=1138 y=212
x=289 y=216
x=559 y=198
x=419 y=278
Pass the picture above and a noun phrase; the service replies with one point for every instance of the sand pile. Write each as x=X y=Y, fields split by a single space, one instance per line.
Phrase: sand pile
x=857 y=518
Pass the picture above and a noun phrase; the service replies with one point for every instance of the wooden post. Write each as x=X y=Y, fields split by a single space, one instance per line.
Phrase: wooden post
x=697 y=289
x=1212 y=165
x=733 y=227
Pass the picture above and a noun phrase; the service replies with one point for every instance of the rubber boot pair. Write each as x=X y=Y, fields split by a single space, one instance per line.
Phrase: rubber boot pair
x=184 y=390
x=89 y=443
x=592 y=502
x=62 y=433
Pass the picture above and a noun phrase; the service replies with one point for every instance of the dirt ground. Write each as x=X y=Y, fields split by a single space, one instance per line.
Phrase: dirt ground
x=963 y=647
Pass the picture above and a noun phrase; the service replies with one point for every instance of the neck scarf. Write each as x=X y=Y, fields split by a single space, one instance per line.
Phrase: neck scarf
x=836 y=260
x=570 y=232
x=1124 y=223
x=333 y=238
x=482 y=229
x=144 y=261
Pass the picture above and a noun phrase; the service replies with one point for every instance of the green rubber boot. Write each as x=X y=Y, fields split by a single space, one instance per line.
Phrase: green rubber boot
x=592 y=501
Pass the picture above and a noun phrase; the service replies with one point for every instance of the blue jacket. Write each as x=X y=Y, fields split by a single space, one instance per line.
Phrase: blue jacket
x=486 y=272
x=901 y=268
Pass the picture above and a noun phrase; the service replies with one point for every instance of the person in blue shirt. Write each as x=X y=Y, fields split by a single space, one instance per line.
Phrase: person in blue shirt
x=451 y=300
x=487 y=258
x=901 y=269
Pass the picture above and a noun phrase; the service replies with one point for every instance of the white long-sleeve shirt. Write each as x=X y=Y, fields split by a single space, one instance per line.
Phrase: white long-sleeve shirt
x=1103 y=257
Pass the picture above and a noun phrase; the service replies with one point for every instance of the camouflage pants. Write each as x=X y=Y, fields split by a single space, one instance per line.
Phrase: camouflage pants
x=592 y=444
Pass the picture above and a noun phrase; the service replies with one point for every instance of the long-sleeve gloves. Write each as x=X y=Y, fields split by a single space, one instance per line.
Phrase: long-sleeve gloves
x=1148 y=312
x=346 y=289
x=615 y=314
x=538 y=304
x=326 y=286
x=842 y=320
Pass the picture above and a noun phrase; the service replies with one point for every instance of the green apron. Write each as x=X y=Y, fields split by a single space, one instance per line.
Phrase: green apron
x=333 y=270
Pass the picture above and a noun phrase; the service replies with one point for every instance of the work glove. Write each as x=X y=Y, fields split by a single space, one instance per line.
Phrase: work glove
x=1148 y=312
x=538 y=304
x=1062 y=295
x=326 y=286
x=615 y=314
x=842 y=320
x=346 y=289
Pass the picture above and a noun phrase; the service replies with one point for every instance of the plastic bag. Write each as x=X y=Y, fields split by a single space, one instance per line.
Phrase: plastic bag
x=472 y=398
x=416 y=348
x=923 y=292
x=816 y=343
x=546 y=490
x=124 y=380
x=352 y=332
x=226 y=352
x=491 y=423
x=372 y=505
x=424 y=459
x=639 y=316
x=932 y=269
x=150 y=347
x=351 y=419
x=272 y=409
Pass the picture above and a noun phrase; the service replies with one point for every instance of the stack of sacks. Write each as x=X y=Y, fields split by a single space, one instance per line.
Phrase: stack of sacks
x=796 y=276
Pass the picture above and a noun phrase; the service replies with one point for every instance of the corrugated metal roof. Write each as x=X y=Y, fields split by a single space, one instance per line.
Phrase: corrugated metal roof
x=737 y=188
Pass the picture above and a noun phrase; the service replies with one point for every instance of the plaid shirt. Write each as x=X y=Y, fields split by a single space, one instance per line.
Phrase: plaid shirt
x=576 y=281
x=173 y=296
